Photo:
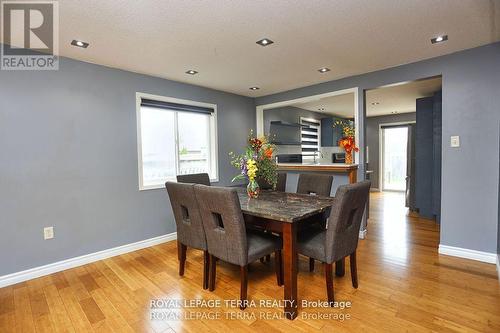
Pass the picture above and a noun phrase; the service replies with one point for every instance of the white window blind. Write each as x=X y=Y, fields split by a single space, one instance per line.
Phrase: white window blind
x=310 y=137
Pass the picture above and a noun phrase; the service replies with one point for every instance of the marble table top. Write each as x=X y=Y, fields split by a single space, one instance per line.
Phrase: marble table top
x=281 y=206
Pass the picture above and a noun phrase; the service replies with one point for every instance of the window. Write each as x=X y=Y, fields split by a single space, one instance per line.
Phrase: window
x=175 y=137
x=310 y=138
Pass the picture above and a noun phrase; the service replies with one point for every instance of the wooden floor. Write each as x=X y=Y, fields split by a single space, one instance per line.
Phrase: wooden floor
x=404 y=285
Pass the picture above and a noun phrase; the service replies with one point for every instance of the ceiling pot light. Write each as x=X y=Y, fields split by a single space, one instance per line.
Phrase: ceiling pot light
x=439 y=39
x=264 y=42
x=80 y=43
x=191 y=72
x=321 y=109
x=324 y=70
x=375 y=103
x=254 y=88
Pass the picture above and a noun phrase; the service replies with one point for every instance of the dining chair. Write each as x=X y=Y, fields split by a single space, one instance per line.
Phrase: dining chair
x=281 y=184
x=190 y=232
x=227 y=237
x=340 y=239
x=315 y=184
x=194 y=178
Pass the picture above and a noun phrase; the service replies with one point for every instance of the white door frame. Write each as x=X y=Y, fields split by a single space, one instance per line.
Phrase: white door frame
x=381 y=149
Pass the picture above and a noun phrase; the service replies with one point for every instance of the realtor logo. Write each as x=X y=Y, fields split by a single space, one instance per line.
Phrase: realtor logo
x=30 y=31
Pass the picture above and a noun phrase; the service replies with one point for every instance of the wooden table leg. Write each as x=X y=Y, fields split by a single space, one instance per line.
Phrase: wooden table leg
x=290 y=259
x=340 y=267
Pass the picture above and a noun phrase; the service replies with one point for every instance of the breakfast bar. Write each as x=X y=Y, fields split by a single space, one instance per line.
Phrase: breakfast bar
x=351 y=170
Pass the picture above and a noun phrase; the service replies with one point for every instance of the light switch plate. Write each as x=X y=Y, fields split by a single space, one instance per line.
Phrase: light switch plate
x=48 y=233
x=455 y=141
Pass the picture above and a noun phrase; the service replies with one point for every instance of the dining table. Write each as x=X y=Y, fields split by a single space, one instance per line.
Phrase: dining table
x=284 y=214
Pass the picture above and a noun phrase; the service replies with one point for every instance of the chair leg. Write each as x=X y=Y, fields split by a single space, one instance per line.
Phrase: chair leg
x=206 y=270
x=213 y=264
x=311 y=264
x=181 y=252
x=268 y=258
x=243 y=287
x=340 y=267
x=329 y=283
x=354 y=270
x=278 y=265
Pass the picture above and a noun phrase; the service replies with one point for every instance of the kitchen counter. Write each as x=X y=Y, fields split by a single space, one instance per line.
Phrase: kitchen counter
x=350 y=169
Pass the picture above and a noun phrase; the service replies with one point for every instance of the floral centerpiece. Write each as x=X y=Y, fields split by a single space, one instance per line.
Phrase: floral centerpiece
x=256 y=163
x=347 y=142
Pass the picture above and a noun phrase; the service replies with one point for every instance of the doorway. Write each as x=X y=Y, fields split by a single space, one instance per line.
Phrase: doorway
x=394 y=157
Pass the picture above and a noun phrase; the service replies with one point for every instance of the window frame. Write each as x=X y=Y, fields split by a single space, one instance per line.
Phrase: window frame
x=306 y=156
x=214 y=144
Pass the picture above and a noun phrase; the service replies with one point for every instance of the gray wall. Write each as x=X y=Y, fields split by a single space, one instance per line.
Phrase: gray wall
x=372 y=140
x=69 y=159
x=289 y=114
x=471 y=107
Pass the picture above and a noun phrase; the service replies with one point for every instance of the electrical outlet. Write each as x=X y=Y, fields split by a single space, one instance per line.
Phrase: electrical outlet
x=48 y=233
x=455 y=141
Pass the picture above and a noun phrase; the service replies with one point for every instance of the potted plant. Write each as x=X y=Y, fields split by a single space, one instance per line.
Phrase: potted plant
x=347 y=142
x=256 y=164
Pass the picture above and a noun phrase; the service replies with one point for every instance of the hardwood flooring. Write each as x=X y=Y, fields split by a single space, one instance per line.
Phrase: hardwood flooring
x=404 y=285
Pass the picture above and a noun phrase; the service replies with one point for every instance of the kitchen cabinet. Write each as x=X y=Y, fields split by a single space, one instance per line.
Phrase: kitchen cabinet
x=330 y=135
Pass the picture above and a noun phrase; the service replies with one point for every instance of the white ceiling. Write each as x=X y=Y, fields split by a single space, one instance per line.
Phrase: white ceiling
x=217 y=37
x=340 y=105
x=399 y=98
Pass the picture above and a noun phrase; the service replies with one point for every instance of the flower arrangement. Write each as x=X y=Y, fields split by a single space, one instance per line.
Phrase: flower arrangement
x=256 y=163
x=347 y=142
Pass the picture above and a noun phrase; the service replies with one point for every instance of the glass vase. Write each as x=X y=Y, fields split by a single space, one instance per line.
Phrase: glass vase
x=348 y=157
x=253 y=189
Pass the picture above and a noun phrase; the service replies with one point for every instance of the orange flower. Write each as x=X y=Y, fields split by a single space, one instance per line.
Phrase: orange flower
x=348 y=144
x=268 y=153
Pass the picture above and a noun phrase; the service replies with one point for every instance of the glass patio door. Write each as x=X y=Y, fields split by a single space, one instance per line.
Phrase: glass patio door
x=394 y=154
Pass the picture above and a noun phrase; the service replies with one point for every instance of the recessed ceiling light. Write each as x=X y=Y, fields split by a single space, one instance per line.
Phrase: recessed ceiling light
x=375 y=103
x=80 y=43
x=394 y=112
x=264 y=42
x=323 y=70
x=439 y=39
x=321 y=109
x=254 y=88
x=191 y=72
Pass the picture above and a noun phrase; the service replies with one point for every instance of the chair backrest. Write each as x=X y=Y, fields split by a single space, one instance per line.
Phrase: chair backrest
x=281 y=185
x=190 y=230
x=223 y=223
x=194 y=178
x=318 y=184
x=345 y=220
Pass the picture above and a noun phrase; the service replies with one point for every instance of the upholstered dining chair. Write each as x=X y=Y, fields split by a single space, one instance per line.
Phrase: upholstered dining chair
x=227 y=238
x=340 y=239
x=194 y=178
x=281 y=185
x=190 y=231
x=315 y=184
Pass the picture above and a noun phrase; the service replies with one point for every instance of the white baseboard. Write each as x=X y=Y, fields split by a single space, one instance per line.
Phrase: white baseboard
x=362 y=234
x=33 y=273
x=487 y=257
x=498 y=267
